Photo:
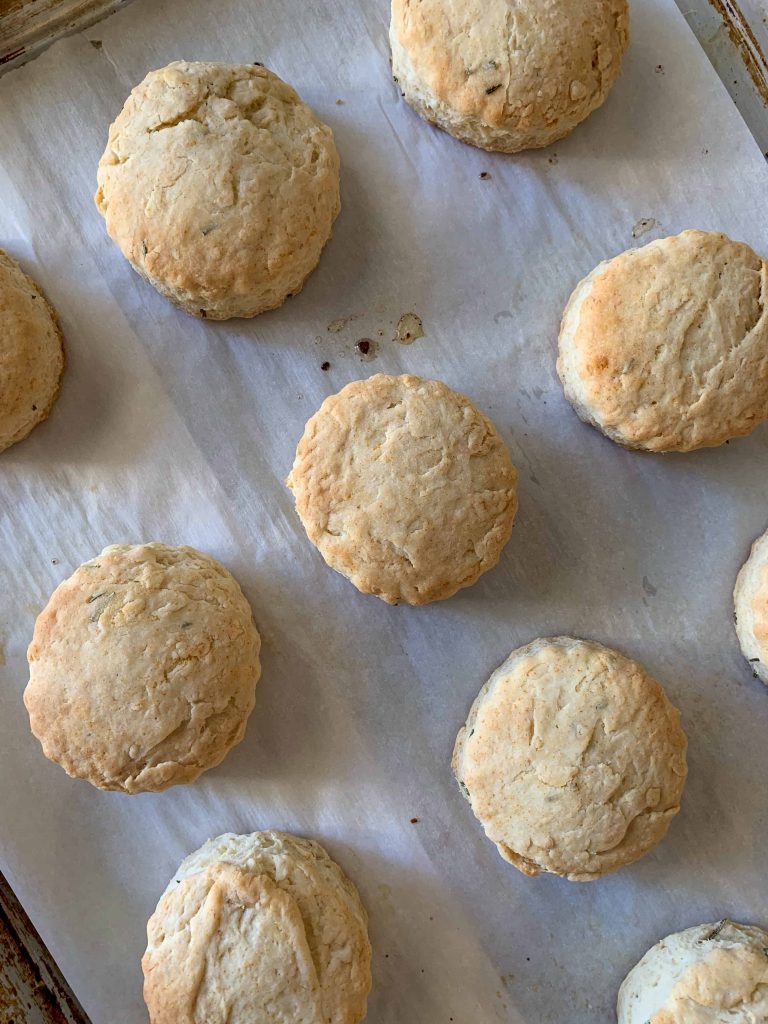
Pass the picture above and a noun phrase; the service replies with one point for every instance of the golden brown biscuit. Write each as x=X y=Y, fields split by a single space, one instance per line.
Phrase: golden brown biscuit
x=220 y=187
x=31 y=354
x=258 y=928
x=405 y=488
x=710 y=974
x=750 y=599
x=507 y=76
x=142 y=668
x=572 y=758
x=665 y=348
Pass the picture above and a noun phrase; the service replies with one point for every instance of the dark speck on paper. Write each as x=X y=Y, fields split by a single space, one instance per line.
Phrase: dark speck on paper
x=96 y=43
x=325 y=366
x=649 y=588
x=367 y=348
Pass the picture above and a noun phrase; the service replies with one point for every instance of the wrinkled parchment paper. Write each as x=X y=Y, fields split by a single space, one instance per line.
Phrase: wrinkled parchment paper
x=173 y=429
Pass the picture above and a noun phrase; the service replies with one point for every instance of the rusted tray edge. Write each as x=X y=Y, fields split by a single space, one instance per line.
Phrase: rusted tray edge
x=31 y=985
x=734 y=36
x=25 y=35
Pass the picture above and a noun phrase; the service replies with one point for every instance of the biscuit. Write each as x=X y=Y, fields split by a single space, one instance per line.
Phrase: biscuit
x=31 y=354
x=506 y=76
x=259 y=927
x=142 y=668
x=665 y=348
x=750 y=598
x=405 y=488
x=572 y=758
x=220 y=187
x=710 y=974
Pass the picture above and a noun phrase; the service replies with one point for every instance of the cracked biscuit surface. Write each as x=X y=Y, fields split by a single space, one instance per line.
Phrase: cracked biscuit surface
x=405 y=488
x=507 y=76
x=572 y=758
x=750 y=598
x=711 y=974
x=219 y=186
x=258 y=928
x=31 y=354
x=665 y=348
x=142 y=668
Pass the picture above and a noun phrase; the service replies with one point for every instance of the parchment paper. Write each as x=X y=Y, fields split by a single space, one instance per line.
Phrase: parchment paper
x=173 y=429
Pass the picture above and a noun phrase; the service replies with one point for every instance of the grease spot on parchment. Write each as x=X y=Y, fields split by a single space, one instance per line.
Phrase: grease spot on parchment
x=338 y=325
x=643 y=226
x=409 y=329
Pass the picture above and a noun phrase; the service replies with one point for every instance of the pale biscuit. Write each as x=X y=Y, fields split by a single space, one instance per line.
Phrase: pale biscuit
x=142 y=668
x=405 y=488
x=506 y=76
x=665 y=348
x=220 y=187
x=750 y=598
x=572 y=758
x=260 y=927
x=710 y=974
x=31 y=354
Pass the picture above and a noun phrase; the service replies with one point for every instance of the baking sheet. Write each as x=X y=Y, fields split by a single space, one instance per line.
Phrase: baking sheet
x=173 y=429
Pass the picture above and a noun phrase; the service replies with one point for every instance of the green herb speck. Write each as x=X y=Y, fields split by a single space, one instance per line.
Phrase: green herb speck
x=716 y=930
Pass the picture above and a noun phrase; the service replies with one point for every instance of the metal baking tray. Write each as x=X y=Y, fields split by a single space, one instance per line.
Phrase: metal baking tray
x=735 y=37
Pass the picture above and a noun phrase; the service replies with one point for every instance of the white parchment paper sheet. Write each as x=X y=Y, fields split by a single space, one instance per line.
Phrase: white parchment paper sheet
x=169 y=428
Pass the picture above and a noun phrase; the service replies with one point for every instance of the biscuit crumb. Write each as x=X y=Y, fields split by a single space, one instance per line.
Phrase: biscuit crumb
x=485 y=175
x=96 y=43
x=414 y=821
x=659 y=69
x=339 y=103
